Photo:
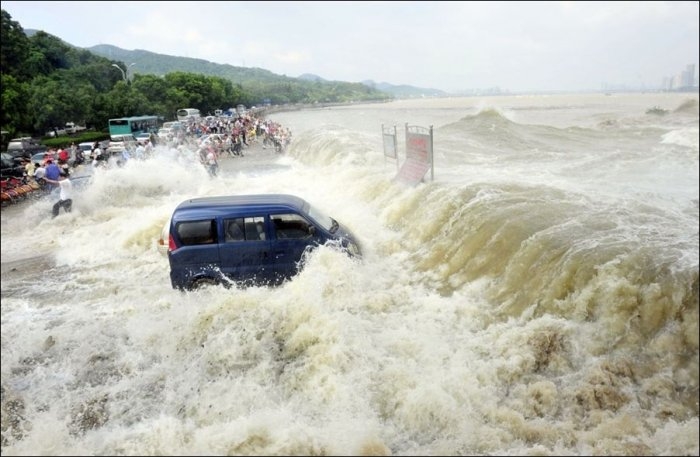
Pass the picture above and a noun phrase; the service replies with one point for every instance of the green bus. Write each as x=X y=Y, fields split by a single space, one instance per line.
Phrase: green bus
x=133 y=125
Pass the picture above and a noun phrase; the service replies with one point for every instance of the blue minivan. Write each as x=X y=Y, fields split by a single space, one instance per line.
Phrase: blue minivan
x=247 y=239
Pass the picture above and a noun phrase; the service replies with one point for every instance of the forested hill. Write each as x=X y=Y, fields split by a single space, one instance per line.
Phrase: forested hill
x=47 y=82
x=257 y=83
x=161 y=64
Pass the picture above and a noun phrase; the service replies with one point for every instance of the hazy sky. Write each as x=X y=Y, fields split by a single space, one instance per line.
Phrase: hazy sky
x=452 y=46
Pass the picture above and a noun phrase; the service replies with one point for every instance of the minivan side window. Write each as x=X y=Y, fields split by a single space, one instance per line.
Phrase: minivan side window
x=197 y=232
x=234 y=229
x=291 y=226
x=245 y=229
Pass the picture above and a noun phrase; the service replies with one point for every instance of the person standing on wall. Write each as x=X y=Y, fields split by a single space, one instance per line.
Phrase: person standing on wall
x=65 y=200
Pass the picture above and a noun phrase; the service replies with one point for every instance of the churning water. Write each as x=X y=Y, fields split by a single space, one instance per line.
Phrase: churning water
x=539 y=296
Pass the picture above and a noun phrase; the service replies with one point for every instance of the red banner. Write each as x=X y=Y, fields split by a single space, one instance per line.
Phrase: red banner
x=419 y=153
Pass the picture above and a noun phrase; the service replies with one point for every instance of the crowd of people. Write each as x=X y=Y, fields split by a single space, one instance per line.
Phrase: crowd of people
x=229 y=135
x=53 y=173
x=205 y=140
x=211 y=138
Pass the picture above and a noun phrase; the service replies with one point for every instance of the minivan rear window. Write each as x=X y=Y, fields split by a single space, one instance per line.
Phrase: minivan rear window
x=197 y=232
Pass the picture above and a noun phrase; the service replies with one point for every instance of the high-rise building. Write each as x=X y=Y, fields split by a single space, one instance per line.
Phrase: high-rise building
x=688 y=76
x=683 y=81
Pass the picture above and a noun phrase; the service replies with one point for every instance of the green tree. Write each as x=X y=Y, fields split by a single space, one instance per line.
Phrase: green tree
x=14 y=47
x=14 y=113
x=155 y=92
x=57 y=54
x=46 y=82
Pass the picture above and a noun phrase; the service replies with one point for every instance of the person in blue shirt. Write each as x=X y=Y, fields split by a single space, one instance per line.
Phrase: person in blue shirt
x=53 y=171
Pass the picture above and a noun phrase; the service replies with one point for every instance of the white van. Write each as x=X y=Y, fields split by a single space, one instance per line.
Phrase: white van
x=172 y=125
x=187 y=114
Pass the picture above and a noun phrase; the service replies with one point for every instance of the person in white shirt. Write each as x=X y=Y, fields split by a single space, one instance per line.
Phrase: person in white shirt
x=212 y=163
x=65 y=200
x=39 y=174
x=97 y=152
x=140 y=152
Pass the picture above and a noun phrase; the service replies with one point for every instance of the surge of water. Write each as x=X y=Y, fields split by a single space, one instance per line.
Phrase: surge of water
x=540 y=296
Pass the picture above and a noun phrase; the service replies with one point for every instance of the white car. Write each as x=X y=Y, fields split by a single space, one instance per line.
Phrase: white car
x=165 y=132
x=206 y=140
x=174 y=125
x=117 y=143
x=86 y=147
x=141 y=138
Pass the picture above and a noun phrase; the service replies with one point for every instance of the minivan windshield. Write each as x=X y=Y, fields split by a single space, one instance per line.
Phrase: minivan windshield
x=325 y=221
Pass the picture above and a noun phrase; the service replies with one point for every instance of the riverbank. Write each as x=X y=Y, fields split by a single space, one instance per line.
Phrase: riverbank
x=266 y=111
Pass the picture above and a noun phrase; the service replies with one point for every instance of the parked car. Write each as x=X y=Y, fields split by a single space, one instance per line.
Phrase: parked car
x=24 y=147
x=11 y=166
x=86 y=148
x=40 y=157
x=118 y=143
x=141 y=138
x=165 y=132
x=56 y=132
x=173 y=125
x=247 y=239
x=72 y=128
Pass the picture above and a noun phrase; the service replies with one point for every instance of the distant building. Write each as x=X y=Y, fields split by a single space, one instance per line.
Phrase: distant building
x=688 y=76
x=683 y=81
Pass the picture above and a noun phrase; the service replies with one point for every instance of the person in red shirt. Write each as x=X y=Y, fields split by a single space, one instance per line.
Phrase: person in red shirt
x=63 y=156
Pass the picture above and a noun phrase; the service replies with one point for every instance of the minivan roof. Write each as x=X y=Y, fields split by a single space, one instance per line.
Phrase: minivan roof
x=240 y=203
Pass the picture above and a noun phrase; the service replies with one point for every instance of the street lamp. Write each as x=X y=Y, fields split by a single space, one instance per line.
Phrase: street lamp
x=120 y=69
x=127 y=69
x=124 y=73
